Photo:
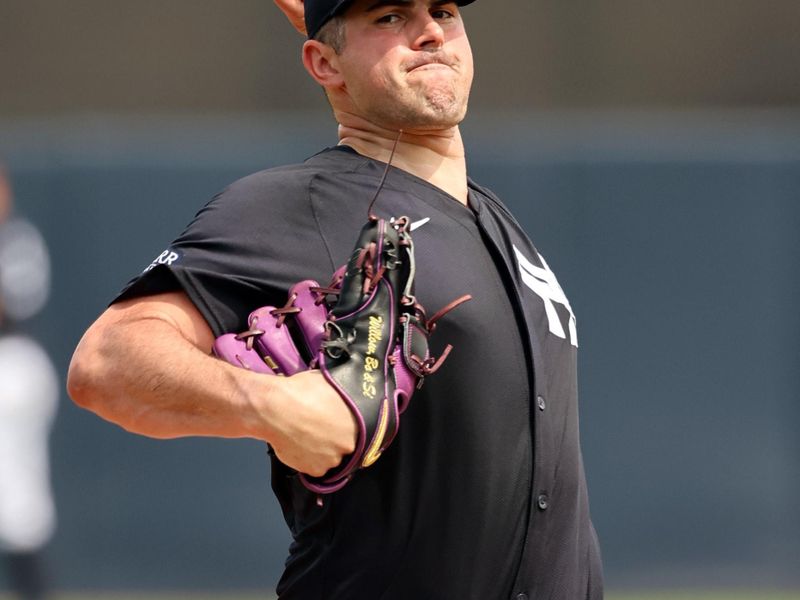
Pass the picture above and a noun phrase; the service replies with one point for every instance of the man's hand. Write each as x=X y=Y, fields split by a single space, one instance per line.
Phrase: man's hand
x=311 y=429
x=295 y=12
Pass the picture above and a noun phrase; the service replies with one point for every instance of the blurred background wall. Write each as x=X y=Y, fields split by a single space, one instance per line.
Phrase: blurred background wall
x=651 y=150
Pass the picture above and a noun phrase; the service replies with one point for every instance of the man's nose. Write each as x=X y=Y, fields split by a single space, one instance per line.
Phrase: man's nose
x=431 y=34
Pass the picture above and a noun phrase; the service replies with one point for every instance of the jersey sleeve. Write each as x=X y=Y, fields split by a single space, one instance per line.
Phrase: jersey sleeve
x=243 y=250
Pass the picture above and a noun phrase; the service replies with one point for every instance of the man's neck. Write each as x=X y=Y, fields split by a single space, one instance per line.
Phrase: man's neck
x=435 y=156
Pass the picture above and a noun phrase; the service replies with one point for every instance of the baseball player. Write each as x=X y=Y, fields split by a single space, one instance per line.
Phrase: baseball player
x=29 y=391
x=482 y=493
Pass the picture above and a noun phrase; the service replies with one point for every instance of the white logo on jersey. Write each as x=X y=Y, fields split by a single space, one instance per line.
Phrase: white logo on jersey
x=544 y=284
x=167 y=257
x=417 y=224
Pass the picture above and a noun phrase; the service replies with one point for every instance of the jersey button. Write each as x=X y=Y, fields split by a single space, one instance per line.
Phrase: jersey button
x=541 y=403
x=522 y=596
x=543 y=502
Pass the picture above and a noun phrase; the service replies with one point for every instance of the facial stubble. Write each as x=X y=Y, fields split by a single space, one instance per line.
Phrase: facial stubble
x=424 y=104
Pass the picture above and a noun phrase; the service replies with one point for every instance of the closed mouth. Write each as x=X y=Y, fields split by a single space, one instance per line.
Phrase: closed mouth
x=430 y=63
x=433 y=65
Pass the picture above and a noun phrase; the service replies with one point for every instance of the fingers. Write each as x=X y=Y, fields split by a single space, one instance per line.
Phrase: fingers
x=317 y=430
x=295 y=12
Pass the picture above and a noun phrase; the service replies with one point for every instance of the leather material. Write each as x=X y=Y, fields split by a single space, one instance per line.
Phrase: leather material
x=371 y=345
x=366 y=315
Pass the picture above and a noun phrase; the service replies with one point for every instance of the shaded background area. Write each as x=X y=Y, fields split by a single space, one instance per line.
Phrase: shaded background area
x=651 y=150
x=223 y=55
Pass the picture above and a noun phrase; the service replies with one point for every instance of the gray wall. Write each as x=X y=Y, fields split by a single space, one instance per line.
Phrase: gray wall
x=674 y=234
x=240 y=55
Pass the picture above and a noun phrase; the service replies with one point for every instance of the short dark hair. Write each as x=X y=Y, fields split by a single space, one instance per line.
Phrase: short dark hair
x=333 y=34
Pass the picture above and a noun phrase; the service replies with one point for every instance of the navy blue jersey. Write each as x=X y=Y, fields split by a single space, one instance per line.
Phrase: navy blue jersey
x=482 y=495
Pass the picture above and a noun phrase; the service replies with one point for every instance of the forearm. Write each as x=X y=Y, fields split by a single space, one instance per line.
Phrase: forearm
x=146 y=365
x=146 y=377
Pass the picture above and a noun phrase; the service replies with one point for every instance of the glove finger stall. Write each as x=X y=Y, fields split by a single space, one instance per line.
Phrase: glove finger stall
x=231 y=348
x=276 y=341
x=312 y=316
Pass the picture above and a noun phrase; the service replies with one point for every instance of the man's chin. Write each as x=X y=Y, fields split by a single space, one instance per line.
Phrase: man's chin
x=443 y=119
x=425 y=124
x=436 y=113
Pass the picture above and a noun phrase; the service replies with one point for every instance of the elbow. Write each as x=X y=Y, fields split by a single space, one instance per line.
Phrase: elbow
x=85 y=377
x=78 y=386
x=91 y=384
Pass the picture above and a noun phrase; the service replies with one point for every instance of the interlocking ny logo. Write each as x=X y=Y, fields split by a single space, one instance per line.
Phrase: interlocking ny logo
x=544 y=284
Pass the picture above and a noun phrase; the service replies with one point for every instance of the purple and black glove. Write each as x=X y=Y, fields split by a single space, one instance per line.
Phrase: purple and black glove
x=365 y=332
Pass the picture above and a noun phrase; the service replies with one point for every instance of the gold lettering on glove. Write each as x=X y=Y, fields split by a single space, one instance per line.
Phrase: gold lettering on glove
x=375 y=334
x=371 y=361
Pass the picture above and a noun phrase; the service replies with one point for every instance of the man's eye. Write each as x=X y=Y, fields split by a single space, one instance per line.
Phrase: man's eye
x=442 y=15
x=389 y=19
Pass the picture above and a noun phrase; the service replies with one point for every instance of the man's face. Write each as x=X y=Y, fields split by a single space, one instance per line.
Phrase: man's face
x=407 y=64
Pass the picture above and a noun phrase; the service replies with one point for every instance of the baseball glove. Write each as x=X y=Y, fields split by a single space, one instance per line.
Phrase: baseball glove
x=365 y=332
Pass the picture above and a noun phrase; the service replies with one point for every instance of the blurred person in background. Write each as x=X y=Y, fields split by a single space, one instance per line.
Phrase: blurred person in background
x=29 y=391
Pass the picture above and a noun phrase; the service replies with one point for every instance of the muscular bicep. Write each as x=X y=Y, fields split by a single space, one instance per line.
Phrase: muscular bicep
x=173 y=308
x=135 y=358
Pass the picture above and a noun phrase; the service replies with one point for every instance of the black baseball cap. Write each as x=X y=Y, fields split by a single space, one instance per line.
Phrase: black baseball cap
x=319 y=12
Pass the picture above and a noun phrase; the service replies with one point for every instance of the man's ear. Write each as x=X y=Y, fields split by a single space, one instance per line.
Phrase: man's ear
x=322 y=63
x=295 y=12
